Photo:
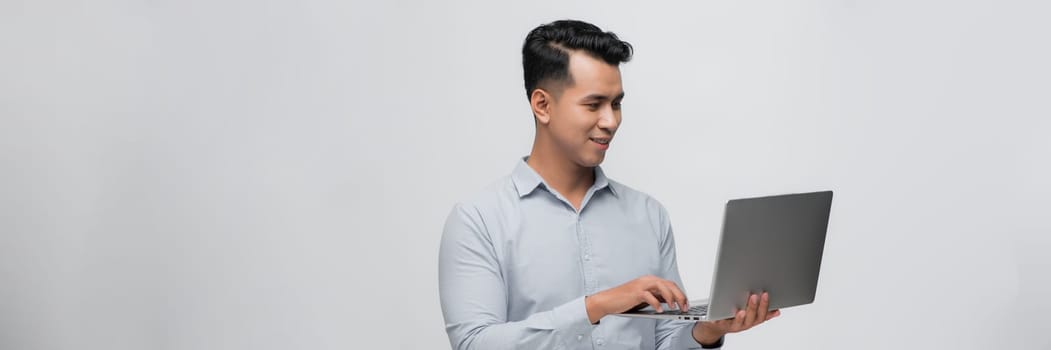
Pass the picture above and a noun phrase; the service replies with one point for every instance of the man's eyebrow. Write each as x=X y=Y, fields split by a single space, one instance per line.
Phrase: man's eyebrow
x=601 y=97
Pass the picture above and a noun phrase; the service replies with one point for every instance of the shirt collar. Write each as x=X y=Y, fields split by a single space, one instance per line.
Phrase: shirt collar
x=526 y=179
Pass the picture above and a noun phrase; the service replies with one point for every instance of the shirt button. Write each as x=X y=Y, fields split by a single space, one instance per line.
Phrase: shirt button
x=599 y=342
x=587 y=257
x=579 y=337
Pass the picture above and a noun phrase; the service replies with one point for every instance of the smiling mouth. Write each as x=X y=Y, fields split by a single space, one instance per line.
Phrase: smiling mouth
x=600 y=141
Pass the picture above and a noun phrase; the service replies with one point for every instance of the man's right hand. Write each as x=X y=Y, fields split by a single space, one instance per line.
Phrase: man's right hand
x=648 y=289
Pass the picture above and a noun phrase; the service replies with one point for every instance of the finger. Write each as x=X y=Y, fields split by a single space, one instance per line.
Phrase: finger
x=773 y=314
x=672 y=294
x=649 y=298
x=738 y=321
x=655 y=289
x=764 y=308
x=680 y=297
x=749 y=317
x=666 y=294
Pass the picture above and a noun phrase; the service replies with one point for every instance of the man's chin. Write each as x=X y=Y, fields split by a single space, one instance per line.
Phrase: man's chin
x=591 y=161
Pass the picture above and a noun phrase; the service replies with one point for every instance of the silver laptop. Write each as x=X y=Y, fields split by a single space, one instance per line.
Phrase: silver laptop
x=772 y=244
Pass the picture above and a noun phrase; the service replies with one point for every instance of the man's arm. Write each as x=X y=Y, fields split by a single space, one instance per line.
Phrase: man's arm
x=474 y=301
x=673 y=334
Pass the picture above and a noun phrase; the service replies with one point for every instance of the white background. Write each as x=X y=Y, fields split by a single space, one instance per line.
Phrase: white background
x=229 y=174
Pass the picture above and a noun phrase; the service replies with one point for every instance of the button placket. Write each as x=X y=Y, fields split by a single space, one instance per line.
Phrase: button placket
x=585 y=247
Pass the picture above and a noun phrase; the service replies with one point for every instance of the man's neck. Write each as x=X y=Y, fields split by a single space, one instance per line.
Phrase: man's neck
x=567 y=178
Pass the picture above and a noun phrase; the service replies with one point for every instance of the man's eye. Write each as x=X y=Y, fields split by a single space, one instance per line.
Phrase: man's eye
x=616 y=106
x=593 y=106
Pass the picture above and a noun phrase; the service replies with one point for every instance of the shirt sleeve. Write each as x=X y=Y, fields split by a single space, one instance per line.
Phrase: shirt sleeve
x=474 y=297
x=672 y=334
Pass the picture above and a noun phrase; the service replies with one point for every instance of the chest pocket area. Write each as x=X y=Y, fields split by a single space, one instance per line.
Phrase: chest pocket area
x=626 y=252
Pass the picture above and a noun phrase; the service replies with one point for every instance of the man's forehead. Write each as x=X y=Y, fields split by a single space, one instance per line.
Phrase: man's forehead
x=593 y=76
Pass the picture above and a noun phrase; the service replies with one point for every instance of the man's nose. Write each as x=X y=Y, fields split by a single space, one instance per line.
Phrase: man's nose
x=608 y=119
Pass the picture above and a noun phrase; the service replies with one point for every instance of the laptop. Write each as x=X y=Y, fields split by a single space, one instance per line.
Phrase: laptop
x=772 y=244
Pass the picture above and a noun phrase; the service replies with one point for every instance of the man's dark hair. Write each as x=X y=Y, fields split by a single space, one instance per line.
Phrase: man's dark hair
x=545 y=54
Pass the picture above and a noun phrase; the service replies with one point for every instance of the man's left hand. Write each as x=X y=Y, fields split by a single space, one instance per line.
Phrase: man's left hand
x=757 y=312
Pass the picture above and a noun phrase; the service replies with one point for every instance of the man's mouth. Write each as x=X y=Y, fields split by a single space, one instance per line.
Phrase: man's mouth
x=601 y=141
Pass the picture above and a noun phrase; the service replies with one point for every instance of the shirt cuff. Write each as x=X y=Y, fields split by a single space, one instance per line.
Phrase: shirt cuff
x=686 y=340
x=572 y=319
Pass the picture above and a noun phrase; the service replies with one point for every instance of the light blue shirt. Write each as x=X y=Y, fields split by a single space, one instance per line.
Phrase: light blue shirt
x=517 y=260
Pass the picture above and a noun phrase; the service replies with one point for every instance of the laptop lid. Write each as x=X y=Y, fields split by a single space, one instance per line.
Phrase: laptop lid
x=771 y=244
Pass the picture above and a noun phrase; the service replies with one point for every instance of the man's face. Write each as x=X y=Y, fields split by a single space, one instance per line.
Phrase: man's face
x=586 y=115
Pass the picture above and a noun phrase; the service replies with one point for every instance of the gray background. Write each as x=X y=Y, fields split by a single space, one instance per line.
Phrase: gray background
x=275 y=174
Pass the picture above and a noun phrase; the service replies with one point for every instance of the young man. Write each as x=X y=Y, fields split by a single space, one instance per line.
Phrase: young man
x=538 y=259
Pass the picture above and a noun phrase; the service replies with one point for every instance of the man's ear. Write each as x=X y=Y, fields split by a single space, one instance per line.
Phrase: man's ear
x=541 y=103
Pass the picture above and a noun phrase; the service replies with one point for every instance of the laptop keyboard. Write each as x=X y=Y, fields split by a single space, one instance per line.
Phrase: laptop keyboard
x=698 y=310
